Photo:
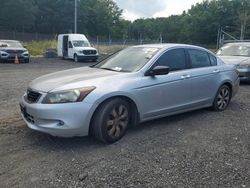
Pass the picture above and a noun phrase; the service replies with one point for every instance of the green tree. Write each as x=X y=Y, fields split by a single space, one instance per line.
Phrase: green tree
x=17 y=15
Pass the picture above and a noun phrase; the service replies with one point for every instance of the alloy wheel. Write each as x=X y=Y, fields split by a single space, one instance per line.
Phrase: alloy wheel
x=117 y=121
x=223 y=98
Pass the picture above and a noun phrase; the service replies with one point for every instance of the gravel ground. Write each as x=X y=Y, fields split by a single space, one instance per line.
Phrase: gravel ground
x=196 y=149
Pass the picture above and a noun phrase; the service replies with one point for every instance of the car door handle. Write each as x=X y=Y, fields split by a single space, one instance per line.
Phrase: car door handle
x=186 y=76
x=216 y=71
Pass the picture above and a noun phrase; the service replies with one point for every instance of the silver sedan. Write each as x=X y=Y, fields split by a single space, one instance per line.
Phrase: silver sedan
x=237 y=54
x=137 y=84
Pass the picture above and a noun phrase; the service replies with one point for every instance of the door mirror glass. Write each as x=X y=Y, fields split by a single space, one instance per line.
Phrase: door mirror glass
x=158 y=70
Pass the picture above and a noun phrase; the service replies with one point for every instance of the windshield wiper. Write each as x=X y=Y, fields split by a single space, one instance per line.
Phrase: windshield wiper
x=109 y=69
x=114 y=70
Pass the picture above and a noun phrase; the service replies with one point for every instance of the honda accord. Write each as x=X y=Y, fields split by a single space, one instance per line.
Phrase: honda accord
x=137 y=84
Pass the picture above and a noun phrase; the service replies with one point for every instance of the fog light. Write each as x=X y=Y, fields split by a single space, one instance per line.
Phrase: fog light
x=60 y=123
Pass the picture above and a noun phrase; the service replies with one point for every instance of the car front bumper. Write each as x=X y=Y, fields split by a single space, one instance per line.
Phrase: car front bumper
x=244 y=74
x=11 y=58
x=63 y=120
x=87 y=57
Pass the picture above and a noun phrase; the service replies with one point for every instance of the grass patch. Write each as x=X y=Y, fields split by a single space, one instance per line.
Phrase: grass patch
x=106 y=49
x=37 y=48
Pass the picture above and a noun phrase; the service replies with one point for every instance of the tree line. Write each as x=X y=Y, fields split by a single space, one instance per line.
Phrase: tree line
x=103 y=18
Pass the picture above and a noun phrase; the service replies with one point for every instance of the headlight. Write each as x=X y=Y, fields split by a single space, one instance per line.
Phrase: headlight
x=244 y=65
x=75 y=95
x=25 y=53
x=3 y=52
x=80 y=51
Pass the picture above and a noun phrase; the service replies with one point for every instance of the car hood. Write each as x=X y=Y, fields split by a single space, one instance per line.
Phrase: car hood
x=9 y=48
x=85 y=48
x=85 y=75
x=234 y=59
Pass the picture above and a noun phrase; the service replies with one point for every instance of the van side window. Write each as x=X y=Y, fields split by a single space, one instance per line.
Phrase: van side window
x=199 y=58
x=70 y=44
x=175 y=59
x=213 y=59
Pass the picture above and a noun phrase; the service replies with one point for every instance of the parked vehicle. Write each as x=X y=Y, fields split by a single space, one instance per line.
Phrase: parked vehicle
x=137 y=84
x=12 y=49
x=76 y=47
x=239 y=55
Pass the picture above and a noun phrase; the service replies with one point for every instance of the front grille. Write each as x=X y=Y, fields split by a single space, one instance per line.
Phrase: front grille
x=33 y=96
x=89 y=52
x=14 y=51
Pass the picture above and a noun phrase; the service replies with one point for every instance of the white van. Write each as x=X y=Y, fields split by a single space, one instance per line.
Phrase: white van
x=76 y=47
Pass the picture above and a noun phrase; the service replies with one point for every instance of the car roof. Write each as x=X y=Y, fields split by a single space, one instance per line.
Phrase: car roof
x=170 y=45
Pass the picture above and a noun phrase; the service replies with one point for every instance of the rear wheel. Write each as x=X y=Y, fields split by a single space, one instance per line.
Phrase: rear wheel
x=222 y=99
x=111 y=120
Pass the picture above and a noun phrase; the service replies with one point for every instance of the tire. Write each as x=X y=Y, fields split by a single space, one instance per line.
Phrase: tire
x=222 y=99
x=94 y=60
x=110 y=122
x=76 y=59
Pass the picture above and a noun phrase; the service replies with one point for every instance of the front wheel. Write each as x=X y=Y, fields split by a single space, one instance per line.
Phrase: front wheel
x=222 y=99
x=76 y=59
x=111 y=120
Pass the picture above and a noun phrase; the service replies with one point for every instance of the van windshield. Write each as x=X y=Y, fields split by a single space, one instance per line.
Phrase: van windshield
x=80 y=43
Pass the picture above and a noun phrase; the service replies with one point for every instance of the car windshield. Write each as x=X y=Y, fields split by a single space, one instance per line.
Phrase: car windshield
x=235 y=50
x=80 y=43
x=10 y=44
x=128 y=60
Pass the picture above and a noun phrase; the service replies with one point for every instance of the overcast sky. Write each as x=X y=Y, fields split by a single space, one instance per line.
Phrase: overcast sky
x=133 y=9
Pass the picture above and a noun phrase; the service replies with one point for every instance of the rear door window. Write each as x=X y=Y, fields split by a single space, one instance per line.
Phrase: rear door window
x=213 y=60
x=199 y=58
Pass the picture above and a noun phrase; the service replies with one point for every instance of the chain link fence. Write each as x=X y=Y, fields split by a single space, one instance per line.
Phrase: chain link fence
x=25 y=37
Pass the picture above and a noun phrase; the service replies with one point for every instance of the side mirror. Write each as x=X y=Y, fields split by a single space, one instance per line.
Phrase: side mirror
x=158 y=70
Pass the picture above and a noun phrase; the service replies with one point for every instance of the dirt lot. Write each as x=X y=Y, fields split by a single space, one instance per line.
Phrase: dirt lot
x=197 y=149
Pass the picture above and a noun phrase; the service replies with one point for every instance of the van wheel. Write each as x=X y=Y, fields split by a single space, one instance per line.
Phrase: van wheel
x=111 y=120
x=222 y=99
x=76 y=58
